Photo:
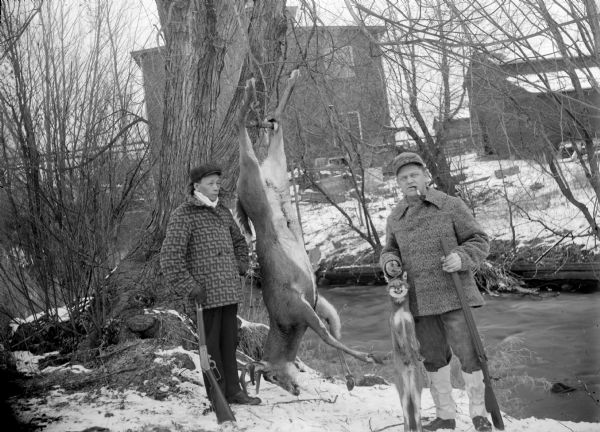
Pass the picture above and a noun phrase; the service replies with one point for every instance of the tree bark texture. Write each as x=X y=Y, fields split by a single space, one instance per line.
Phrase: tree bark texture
x=211 y=48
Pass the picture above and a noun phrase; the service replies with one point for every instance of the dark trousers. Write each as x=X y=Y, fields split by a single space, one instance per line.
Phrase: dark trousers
x=441 y=335
x=220 y=325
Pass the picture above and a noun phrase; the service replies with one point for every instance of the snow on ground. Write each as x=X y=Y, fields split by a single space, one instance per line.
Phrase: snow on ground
x=61 y=314
x=536 y=203
x=323 y=406
x=27 y=363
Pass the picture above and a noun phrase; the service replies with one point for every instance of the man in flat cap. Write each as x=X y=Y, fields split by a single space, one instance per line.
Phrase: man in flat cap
x=414 y=229
x=202 y=258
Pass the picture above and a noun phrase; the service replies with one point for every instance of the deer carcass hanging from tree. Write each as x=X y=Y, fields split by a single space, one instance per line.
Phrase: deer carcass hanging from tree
x=289 y=288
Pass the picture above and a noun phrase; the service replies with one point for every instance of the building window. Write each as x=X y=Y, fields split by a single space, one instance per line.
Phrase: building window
x=339 y=62
x=353 y=124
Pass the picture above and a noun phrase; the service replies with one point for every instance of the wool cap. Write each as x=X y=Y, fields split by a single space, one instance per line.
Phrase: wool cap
x=196 y=174
x=406 y=158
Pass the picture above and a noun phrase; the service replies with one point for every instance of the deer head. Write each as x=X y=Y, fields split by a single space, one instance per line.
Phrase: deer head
x=282 y=373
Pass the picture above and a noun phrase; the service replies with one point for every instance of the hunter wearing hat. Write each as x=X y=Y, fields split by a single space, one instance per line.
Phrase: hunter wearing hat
x=413 y=232
x=202 y=258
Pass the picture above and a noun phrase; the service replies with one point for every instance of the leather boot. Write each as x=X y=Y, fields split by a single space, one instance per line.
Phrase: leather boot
x=440 y=423
x=441 y=392
x=475 y=389
x=482 y=424
x=242 y=398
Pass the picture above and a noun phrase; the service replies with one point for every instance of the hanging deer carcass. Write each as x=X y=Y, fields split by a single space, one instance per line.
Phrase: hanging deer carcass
x=288 y=283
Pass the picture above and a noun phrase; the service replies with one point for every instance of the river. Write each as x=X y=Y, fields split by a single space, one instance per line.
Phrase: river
x=551 y=338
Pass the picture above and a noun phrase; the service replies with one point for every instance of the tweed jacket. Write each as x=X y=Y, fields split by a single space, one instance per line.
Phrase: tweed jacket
x=413 y=234
x=204 y=246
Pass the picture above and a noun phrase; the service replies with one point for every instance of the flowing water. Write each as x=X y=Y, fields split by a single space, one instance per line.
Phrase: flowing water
x=560 y=335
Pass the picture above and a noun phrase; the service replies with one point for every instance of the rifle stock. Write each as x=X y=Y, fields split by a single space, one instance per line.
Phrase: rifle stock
x=491 y=404
x=216 y=396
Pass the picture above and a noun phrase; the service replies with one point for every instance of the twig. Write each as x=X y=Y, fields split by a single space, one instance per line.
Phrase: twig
x=552 y=247
x=331 y=401
x=111 y=353
x=564 y=425
x=383 y=428
x=100 y=376
x=587 y=390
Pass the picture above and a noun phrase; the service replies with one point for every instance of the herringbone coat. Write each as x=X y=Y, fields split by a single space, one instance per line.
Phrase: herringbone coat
x=204 y=246
x=413 y=236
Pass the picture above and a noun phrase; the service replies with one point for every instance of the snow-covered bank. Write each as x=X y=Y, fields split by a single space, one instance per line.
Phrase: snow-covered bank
x=323 y=406
x=527 y=199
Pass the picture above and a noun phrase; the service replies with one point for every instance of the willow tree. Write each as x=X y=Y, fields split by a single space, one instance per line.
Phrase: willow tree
x=201 y=104
x=211 y=48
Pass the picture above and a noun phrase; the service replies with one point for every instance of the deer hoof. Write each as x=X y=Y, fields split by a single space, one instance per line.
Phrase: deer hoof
x=350 y=382
x=373 y=358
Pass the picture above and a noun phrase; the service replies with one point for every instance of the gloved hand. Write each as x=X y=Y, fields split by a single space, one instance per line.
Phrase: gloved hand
x=198 y=295
x=451 y=263
x=393 y=268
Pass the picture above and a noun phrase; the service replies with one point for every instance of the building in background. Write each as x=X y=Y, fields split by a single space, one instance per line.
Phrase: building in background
x=339 y=110
x=339 y=107
x=522 y=108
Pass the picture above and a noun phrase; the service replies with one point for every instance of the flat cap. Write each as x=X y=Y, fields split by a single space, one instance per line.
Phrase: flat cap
x=196 y=174
x=406 y=158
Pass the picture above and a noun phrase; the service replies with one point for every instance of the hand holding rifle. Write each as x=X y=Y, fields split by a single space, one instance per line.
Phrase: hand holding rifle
x=491 y=404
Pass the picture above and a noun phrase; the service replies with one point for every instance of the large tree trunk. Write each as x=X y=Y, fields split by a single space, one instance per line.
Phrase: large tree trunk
x=207 y=46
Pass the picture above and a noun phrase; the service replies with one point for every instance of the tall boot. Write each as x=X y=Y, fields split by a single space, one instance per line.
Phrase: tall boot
x=475 y=389
x=441 y=392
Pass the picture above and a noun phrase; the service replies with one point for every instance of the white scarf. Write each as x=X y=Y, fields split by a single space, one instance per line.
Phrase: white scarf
x=205 y=200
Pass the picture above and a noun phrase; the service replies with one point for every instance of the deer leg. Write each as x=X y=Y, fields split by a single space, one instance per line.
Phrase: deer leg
x=291 y=82
x=327 y=313
x=276 y=154
x=315 y=323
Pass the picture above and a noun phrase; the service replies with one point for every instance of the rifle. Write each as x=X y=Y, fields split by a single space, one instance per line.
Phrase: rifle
x=216 y=396
x=491 y=404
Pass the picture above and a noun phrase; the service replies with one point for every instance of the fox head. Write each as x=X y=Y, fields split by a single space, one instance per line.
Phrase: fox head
x=398 y=290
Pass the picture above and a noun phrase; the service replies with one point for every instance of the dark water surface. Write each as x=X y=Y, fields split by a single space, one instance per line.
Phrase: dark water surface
x=562 y=332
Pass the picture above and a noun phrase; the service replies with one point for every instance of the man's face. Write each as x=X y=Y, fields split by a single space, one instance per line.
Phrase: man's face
x=209 y=186
x=412 y=180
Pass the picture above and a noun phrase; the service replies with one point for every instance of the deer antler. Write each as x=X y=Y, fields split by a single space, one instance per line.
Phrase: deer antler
x=253 y=368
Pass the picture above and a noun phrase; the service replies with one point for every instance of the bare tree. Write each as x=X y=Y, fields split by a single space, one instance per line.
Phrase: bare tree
x=338 y=112
x=545 y=76
x=200 y=103
x=512 y=49
x=200 y=108
x=424 y=66
x=73 y=154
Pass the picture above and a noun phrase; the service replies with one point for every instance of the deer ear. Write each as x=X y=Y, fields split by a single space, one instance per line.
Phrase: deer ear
x=261 y=365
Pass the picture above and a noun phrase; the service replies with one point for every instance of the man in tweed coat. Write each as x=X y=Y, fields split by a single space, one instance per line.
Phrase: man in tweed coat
x=202 y=258
x=413 y=233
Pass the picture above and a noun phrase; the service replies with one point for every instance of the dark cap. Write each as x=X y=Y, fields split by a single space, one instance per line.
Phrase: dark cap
x=407 y=158
x=196 y=174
